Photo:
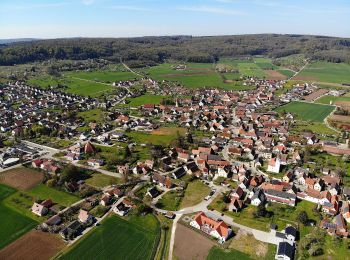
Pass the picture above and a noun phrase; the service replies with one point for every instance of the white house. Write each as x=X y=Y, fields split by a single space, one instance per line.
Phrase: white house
x=274 y=165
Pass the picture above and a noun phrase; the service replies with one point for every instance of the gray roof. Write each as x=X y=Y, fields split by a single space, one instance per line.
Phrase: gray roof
x=281 y=194
x=285 y=249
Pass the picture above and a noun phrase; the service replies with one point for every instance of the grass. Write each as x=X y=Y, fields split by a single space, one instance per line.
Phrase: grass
x=74 y=85
x=232 y=254
x=194 y=194
x=12 y=224
x=117 y=238
x=331 y=99
x=99 y=180
x=161 y=136
x=326 y=72
x=43 y=192
x=170 y=200
x=196 y=75
x=146 y=99
x=93 y=115
x=307 y=111
x=317 y=128
x=104 y=76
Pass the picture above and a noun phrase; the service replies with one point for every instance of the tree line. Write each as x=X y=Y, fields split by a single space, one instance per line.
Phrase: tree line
x=145 y=51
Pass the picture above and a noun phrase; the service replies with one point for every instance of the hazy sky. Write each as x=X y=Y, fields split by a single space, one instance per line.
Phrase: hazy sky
x=122 y=18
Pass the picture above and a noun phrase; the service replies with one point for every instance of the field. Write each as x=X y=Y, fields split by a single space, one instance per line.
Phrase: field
x=326 y=72
x=170 y=200
x=195 y=75
x=307 y=111
x=117 y=238
x=44 y=192
x=74 y=85
x=145 y=99
x=33 y=245
x=194 y=194
x=190 y=244
x=314 y=127
x=103 y=76
x=218 y=253
x=93 y=115
x=12 y=224
x=99 y=180
x=164 y=135
x=328 y=99
x=21 y=178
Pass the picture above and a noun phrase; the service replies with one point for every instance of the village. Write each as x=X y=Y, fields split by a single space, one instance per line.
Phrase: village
x=233 y=142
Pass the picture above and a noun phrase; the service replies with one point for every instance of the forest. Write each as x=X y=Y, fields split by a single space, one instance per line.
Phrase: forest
x=148 y=51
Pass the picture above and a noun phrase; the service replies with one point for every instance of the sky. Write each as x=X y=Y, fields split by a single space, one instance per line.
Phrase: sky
x=126 y=18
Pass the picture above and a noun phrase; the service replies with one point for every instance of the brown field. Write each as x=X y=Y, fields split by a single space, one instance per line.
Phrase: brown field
x=169 y=131
x=189 y=244
x=21 y=178
x=305 y=78
x=274 y=75
x=33 y=245
x=315 y=95
x=343 y=104
x=339 y=118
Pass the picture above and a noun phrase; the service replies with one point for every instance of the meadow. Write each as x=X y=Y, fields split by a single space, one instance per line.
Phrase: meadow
x=117 y=238
x=333 y=99
x=326 y=72
x=103 y=76
x=161 y=136
x=307 y=111
x=219 y=253
x=145 y=99
x=195 y=75
x=12 y=224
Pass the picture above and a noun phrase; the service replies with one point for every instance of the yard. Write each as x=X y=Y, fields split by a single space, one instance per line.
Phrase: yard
x=307 y=111
x=12 y=224
x=170 y=200
x=219 y=253
x=117 y=238
x=194 y=194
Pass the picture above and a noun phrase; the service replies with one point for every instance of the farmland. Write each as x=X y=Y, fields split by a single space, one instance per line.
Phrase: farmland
x=33 y=245
x=326 y=72
x=218 y=253
x=73 y=85
x=103 y=76
x=117 y=238
x=328 y=99
x=195 y=75
x=12 y=224
x=307 y=111
x=21 y=178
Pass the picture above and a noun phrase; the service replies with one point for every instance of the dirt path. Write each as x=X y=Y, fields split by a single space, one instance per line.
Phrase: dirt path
x=301 y=69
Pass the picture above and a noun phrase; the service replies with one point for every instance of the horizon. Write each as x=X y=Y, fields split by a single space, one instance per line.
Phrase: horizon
x=141 y=18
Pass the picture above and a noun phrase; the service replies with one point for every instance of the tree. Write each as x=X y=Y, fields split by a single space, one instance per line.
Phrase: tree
x=303 y=217
x=261 y=211
x=72 y=173
x=127 y=152
x=189 y=138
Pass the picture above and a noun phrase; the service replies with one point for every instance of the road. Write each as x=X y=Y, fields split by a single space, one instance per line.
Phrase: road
x=301 y=69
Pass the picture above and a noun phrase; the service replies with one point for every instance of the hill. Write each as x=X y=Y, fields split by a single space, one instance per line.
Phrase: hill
x=143 y=51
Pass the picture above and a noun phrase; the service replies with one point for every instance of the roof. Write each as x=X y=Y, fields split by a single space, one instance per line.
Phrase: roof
x=285 y=249
x=219 y=226
x=290 y=230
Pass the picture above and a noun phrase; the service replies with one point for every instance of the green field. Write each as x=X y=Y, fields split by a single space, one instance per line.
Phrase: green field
x=326 y=72
x=12 y=224
x=99 y=180
x=170 y=200
x=328 y=99
x=162 y=136
x=317 y=128
x=307 y=111
x=43 y=192
x=196 y=75
x=74 y=85
x=194 y=194
x=146 y=99
x=104 y=76
x=93 y=115
x=117 y=238
x=217 y=253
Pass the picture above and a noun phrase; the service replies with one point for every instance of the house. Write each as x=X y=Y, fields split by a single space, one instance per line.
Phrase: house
x=161 y=180
x=178 y=173
x=274 y=165
x=123 y=207
x=54 y=220
x=95 y=162
x=336 y=227
x=84 y=216
x=291 y=233
x=258 y=198
x=236 y=205
x=285 y=251
x=37 y=163
x=105 y=200
x=213 y=227
x=71 y=230
x=39 y=209
x=280 y=197
x=153 y=192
